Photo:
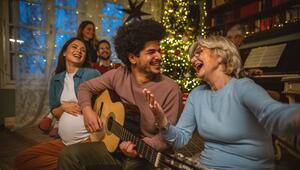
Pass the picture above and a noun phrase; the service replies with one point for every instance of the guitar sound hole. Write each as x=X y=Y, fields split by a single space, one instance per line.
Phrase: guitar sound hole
x=109 y=123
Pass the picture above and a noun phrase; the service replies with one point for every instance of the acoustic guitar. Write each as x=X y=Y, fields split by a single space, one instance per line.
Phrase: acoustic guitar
x=113 y=115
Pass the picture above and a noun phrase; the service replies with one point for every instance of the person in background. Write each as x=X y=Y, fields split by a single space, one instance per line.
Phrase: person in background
x=86 y=31
x=236 y=34
x=138 y=46
x=72 y=70
x=235 y=116
x=104 y=63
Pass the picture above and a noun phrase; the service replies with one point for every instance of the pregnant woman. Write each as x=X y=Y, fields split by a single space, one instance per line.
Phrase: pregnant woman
x=72 y=70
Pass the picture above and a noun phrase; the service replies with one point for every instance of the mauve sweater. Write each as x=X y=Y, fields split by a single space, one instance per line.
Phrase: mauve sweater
x=121 y=81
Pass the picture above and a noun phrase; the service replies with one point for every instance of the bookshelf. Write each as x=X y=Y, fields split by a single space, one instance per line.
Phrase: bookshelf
x=260 y=17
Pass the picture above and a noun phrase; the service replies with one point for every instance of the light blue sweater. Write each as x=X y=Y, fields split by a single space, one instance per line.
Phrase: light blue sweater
x=236 y=123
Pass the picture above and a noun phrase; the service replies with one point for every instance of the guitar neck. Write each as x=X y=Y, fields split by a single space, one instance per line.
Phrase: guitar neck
x=125 y=135
x=156 y=158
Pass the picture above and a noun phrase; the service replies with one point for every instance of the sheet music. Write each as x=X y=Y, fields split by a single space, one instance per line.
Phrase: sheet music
x=254 y=57
x=267 y=56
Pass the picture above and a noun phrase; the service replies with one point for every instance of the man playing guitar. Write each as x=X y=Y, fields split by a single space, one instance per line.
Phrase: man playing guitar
x=138 y=46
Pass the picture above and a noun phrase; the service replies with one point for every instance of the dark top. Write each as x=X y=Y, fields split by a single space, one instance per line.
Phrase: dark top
x=92 y=54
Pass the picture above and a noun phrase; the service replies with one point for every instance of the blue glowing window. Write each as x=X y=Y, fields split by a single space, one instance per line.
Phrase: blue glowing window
x=112 y=20
x=66 y=20
x=109 y=26
x=29 y=40
x=60 y=39
x=32 y=64
x=66 y=23
x=113 y=10
x=32 y=41
x=31 y=14
x=68 y=3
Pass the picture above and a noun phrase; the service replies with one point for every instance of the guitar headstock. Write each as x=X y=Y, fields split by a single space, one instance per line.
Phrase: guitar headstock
x=180 y=162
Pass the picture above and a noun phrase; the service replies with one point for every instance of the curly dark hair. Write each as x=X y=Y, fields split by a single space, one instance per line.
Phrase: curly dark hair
x=61 y=64
x=132 y=38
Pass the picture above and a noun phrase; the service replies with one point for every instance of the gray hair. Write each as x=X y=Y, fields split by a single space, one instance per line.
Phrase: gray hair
x=236 y=30
x=225 y=49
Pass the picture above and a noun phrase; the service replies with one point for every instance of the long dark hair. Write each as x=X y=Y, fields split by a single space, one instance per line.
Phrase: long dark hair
x=61 y=65
x=82 y=25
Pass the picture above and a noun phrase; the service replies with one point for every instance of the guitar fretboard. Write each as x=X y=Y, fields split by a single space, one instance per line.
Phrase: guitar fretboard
x=156 y=158
x=125 y=135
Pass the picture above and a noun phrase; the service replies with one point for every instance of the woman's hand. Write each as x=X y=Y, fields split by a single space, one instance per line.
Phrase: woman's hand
x=128 y=149
x=159 y=115
x=91 y=120
x=72 y=108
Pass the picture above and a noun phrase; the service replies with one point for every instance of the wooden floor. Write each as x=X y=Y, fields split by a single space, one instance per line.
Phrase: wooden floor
x=13 y=142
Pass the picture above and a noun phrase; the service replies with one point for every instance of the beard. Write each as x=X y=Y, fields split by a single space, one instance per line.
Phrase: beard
x=104 y=58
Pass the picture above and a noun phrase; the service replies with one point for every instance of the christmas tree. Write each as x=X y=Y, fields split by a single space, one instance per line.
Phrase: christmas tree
x=184 y=20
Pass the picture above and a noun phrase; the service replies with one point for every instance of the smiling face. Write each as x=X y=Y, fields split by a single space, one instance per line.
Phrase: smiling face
x=205 y=62
x=88 y=32
x=149 y=60
x=104 y=51
x=75 y=53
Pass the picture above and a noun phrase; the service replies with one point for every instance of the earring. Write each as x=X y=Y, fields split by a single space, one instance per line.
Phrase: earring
x=220 y=60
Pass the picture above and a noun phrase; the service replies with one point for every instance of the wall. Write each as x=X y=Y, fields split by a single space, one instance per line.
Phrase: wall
x=7 y=104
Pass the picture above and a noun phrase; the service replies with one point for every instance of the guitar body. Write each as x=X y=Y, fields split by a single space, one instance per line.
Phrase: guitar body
x=108 y=109
x=120 y=126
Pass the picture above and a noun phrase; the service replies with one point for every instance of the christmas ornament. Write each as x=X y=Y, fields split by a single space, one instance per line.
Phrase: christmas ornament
x=134 y=10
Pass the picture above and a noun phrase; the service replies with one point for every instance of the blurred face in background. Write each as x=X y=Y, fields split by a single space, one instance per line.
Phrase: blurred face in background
x=88 y=32
x=237 y=40
x=104 y=51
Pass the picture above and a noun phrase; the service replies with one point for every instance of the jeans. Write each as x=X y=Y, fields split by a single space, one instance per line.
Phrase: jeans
x=90 y=156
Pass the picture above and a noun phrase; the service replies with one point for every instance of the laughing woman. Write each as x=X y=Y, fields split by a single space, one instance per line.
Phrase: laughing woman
x=236 y=117
x=70 y=72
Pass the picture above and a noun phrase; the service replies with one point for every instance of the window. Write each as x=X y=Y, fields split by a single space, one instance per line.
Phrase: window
x=34 y=33
x=112 y=19
x=65 y=22
x=27 y=39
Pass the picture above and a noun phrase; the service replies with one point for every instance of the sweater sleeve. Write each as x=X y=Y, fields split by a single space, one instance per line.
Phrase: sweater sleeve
x=276 y=117
x=172 y=108
x=179 y=135
x=172 y=105
x=94 y=86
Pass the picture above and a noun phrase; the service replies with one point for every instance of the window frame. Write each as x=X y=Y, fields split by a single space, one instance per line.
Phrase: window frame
x=6 y=81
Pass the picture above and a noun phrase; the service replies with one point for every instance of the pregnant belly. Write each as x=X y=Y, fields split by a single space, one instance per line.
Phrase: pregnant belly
x=71 y=129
